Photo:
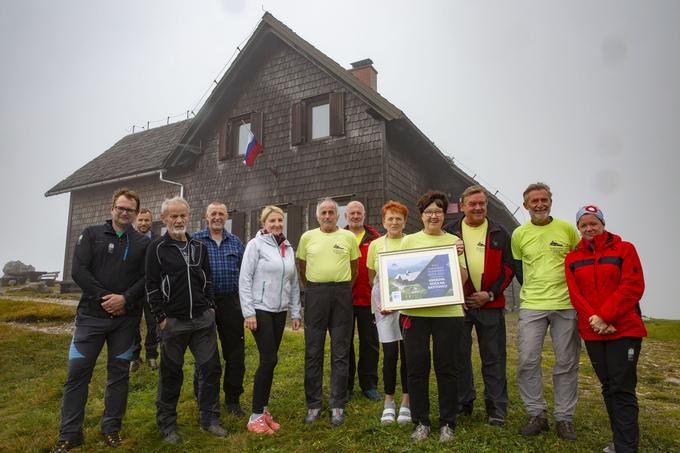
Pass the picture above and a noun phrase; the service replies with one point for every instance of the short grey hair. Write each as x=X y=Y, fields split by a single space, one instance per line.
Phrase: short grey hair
x=471 y=191
x=326 y=200
x=174 y=200
x=536 y=186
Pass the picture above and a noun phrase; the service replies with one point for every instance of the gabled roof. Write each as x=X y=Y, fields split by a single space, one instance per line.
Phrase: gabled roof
x=269 y=24
x=134 y=154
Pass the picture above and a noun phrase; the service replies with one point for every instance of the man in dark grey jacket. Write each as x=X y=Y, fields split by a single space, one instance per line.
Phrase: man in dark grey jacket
x=108 y=265
x=180 y=293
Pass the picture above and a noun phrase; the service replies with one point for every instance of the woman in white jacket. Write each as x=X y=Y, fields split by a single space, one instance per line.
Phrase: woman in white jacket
x=268 y=288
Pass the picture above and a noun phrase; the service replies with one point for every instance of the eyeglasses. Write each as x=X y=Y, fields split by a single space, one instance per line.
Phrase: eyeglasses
x=436 y=213
x=128 y=211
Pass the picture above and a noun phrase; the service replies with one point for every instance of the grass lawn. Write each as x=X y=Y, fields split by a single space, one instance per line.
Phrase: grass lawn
x=33 y=368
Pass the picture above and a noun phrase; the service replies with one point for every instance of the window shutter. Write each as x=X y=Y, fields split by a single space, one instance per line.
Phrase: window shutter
x=294 y=224
x=337 y=111
x=257 y=126
x=297 y=121
x=223 y=145
x=238 y=224
x=254 y=221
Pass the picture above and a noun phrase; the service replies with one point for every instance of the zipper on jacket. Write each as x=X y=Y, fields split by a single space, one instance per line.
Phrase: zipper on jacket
x=191 y=298
x=264 y=283
x=283 y=273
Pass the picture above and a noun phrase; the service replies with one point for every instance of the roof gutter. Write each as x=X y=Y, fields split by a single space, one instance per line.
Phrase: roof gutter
x=181 y=186
x=121 y=179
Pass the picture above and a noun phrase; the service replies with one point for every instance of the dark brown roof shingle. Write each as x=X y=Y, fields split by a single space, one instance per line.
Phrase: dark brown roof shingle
x=133 y=154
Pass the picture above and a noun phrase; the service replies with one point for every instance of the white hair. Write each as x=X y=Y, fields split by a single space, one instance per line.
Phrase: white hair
x=174 y=200
x=326 y=200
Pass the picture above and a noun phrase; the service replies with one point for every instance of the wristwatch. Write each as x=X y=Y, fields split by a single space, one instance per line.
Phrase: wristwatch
x=491 y=296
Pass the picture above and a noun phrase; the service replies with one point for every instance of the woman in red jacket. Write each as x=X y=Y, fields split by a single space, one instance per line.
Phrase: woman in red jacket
x=605 y=284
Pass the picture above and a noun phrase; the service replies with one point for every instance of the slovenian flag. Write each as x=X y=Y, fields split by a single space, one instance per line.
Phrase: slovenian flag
x=253 y=150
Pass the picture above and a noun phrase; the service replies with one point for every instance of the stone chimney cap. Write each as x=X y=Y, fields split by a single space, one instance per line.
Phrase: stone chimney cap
x=362 y=63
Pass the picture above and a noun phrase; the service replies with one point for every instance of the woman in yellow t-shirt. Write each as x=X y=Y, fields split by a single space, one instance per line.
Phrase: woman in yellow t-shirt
x=443 y=324
x=394 y=216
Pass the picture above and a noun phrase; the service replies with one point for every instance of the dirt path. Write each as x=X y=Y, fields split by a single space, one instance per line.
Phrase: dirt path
x=47 y=300
x=59 y=329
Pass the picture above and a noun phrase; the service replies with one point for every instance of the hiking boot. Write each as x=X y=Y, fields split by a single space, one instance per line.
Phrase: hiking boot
x=234 y=409
x=565 y=430
x=172 y=438
x=259 y=425
x=134 y=365
x=535 y=425
x=372 y=394
x=270 y=421
x=152 y=363
x=496 y=421
x=113 y=439
x=65 y=445
x=445 y=434
x=312 y=416
x=420 y=433
x=215 y=429
x=337 y=416
x=610 y=448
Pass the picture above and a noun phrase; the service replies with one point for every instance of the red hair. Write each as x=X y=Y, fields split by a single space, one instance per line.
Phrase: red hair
x=396 y=207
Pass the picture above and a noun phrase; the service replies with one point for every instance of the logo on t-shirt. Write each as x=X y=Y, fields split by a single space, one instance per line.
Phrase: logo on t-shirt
x=558 y=248
x=338 y=249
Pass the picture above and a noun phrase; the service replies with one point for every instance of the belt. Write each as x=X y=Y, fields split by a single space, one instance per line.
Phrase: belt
x=328 y=283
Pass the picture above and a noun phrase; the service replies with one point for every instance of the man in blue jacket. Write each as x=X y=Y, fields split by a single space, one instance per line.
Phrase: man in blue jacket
x=108 y=265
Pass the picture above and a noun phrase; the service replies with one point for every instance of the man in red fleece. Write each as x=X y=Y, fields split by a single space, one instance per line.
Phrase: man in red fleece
x=369 y=349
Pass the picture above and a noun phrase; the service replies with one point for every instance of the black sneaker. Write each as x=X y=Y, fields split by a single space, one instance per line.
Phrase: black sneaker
x=234 y=409
x=535 y=425
x=496 y=421
x=565 y=430
x=113 y=439
x=172 y=438
x=215 y=429
x=66 y=445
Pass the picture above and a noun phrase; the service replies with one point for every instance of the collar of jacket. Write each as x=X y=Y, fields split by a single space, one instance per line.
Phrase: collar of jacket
x=370 y=234
x=205 y=233
x=111 y=230
x=268 y=238
x=456 y=227
x=602 y=241
x=169 y=238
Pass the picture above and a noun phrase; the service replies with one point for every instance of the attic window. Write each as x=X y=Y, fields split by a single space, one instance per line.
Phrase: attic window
x=235 y=132
x=318 y=118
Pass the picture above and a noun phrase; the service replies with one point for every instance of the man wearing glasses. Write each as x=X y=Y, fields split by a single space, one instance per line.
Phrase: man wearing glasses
x=108 y=265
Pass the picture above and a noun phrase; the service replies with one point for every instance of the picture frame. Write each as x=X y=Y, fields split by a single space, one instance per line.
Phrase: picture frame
x=419 y=278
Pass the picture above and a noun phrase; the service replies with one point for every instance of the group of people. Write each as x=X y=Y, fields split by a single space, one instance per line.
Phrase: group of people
x=196 y=288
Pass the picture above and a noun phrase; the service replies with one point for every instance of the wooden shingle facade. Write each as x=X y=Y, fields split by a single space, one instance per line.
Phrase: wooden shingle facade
x=371 y=151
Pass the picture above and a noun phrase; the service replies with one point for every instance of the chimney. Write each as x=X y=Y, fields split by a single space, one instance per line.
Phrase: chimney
x=366 y=73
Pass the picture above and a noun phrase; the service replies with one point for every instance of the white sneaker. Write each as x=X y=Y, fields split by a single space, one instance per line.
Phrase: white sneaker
x=404 y=415
x=420 y=433
x=610 y=448
x=388 y=415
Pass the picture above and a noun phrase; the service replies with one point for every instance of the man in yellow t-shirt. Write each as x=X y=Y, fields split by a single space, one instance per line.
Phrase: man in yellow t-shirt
x=327 y=262
x=540 y=247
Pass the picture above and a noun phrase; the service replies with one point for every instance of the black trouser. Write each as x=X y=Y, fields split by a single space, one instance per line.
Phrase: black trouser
x=445 y=333
x=328 y=307
x=369 y=350
x=490 y=327
x=151 y=341
x=268 y=339
x=229 y=320
x=88 y=339
x=391 y=352
x=199 y=335
x=615 y=363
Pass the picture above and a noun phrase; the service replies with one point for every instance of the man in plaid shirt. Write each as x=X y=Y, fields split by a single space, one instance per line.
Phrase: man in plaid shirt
x=225 y=252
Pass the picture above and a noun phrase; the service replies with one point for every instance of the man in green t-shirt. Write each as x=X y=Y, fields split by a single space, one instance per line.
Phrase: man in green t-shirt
x=327 y=262
x=540 y=246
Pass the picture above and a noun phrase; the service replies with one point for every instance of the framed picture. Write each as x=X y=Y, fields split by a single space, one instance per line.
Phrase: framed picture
x=418 y=278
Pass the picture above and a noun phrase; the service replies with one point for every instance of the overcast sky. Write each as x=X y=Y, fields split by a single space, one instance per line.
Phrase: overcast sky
x=583 y=95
